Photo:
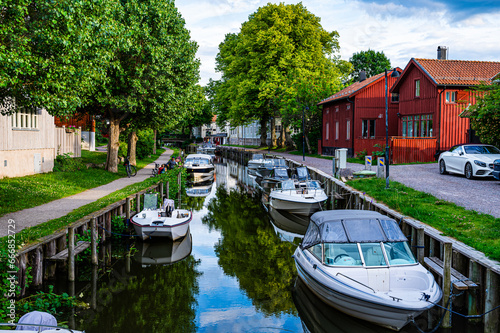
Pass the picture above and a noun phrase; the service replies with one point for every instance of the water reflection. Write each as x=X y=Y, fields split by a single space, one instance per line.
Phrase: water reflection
x=289 y=227
x=162 y=252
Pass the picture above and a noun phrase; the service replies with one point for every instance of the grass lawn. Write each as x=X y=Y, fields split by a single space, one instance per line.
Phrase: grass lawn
x=480 y=231
x=30 y=191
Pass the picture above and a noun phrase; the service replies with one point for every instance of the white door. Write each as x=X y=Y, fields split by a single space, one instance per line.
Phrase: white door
x=38 y=163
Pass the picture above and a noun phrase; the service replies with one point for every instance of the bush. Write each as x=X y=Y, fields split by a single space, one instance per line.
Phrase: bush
x=314 y=136
x=123 y=149
x=145 y=144
x=65 y=162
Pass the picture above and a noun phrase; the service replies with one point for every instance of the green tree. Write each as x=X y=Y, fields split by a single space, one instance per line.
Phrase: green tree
x=198 y=112
x=371 y=62
x=485 y=114
x=256 y=63
x=153 y=68
x=51 y=53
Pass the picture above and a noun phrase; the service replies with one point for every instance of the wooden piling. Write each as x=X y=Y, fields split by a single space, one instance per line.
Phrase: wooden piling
x=37 y=267
x=71 y=254
x=50 y=267
x=491 y=324
x=473 y=294
x=447 y=258
x=161 y=192
x=127 y=210
x=168 y=190
x=93 y=240
x=420 y=244
x=137 y=203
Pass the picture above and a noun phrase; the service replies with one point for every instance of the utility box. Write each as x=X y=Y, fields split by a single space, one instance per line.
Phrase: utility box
x=341 y=158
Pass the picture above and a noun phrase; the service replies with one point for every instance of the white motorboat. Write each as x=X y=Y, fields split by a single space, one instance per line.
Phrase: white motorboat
x=303 y=198
x=163 y=252
x=37 y=321
x=206 y=148
x=359 y=262
x=165 y=221
x=200 y=167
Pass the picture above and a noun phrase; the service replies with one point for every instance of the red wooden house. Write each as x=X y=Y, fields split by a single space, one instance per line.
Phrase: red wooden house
x=354 y=118
x=432 y=94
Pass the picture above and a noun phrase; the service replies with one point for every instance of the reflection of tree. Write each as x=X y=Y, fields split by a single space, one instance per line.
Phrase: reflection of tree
x=250 y=251
x=193 y=203
x=153 y=299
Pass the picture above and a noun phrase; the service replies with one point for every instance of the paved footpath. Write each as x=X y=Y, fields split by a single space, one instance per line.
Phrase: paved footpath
x=52 y=210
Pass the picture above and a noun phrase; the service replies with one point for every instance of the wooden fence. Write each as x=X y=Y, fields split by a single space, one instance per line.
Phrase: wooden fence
x=68 y=141
x=411 y=150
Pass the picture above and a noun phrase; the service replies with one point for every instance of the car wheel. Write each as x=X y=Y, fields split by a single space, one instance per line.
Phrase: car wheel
x=468 y=171
x=442 y=167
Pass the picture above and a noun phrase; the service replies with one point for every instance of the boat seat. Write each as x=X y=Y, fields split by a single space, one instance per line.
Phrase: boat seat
x=374 y=256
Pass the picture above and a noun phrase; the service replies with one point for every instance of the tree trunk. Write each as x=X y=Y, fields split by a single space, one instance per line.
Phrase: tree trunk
x=282 y=136
x=132 y=147
x=273 y=132
x=288 y=139
x=113 y=145
x=154 y=146
x=263 y=132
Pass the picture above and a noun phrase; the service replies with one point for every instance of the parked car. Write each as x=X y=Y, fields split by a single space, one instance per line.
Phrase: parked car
x=496 y=169
x=470 y=160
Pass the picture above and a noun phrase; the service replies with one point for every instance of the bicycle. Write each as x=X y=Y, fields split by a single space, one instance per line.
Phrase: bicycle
x=131 y=169
x=155 y=171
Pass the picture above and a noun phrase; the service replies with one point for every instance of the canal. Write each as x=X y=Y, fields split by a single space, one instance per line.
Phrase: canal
x=234 y=273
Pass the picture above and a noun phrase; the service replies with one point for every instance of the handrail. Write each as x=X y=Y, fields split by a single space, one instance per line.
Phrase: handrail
x=364 y=285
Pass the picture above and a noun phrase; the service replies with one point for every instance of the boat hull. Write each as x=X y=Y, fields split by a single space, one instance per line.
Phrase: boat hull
x=298 y=205
x=172 y=228
x=392 y=317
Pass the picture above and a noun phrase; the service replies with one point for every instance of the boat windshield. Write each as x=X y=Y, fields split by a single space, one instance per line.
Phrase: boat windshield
x=257 y=157
x=302 y=173
x=372 y=254
x=279 y=162
x=313 y=184
x=288 y=185
x=199 y=161
x=281 y=173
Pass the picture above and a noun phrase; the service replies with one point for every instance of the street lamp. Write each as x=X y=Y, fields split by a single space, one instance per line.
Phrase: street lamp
x=303 y=135
x=394 y=73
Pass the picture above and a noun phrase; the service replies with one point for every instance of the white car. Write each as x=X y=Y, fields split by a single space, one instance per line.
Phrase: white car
x=470 y=160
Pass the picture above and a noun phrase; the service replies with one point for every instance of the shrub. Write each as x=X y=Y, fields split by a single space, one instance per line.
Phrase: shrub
x=65 y=162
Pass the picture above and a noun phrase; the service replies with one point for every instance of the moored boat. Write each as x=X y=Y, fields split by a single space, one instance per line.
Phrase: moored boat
x=165 y=221
x=303 y=198
x=38 y=321
x=200 y=167
x=359 y=262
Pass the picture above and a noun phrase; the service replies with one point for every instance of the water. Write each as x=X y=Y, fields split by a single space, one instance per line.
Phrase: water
x=234 y=274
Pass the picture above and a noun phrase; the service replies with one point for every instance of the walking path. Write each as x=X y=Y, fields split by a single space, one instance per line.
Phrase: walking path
x=58 y=208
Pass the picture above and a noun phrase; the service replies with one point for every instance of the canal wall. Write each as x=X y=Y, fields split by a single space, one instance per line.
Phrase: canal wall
x=40 y=260
x=427 y=242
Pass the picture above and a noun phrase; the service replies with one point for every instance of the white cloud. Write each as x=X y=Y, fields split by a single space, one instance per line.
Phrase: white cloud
x=400 y=32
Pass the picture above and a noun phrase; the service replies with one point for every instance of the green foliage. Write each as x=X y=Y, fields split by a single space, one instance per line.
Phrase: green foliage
x=280 y=62
x=250 y=251
x=380 y=152
x=485 y=114
x=361 y=155
x=47 y=302
x=314 y=136
x=122 y=149
x=65 y=162
x=371 y=62
x=480 y=231
x=145 y=143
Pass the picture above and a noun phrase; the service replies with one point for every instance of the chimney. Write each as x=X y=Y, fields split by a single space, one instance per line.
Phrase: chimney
x=362 y=76
x=442 y=53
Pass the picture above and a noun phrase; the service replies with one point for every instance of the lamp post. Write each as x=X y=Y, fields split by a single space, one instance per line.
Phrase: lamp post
x=304 y=135
x=394 y=73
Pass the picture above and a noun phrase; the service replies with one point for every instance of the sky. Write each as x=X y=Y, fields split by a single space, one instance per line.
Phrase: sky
x=402 y=29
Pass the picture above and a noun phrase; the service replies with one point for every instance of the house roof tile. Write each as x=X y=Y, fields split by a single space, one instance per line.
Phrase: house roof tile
x=352 y=89
x=460 y=72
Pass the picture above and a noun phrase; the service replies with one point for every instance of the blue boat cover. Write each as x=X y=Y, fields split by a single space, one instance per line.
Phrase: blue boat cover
x=36 y=317
x=351 y=226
